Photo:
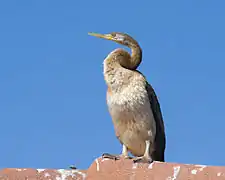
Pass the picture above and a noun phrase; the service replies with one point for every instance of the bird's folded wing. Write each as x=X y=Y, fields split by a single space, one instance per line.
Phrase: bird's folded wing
x=160 y=140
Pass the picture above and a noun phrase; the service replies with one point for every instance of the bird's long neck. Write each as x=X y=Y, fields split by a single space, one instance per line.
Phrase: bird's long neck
x=119 y=64
x=115 y=68
x=136 y=56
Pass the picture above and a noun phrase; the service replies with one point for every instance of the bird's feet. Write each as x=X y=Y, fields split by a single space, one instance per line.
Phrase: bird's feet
x=143 y=159
x=115 y=157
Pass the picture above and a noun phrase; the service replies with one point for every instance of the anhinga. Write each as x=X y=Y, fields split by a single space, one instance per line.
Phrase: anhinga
x=132 y=103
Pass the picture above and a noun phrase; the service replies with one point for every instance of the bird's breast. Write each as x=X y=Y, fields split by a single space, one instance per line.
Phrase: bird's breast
x=131 y=98
x=131 y=107
x=132 y=116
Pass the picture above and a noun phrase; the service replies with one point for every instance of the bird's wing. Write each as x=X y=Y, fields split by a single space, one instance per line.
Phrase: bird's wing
x=160 y=139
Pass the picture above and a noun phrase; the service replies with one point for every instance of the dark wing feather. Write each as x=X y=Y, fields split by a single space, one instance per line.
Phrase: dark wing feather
x=160 y=139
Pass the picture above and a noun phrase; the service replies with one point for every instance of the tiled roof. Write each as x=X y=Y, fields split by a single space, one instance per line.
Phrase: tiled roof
x=105 y=169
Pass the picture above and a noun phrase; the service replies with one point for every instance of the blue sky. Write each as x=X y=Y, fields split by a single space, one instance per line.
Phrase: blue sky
x=52 y=98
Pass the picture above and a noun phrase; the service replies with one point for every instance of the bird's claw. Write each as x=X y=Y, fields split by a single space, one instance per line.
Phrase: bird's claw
x=110 y=156
x=115 y=157
x=143 y=159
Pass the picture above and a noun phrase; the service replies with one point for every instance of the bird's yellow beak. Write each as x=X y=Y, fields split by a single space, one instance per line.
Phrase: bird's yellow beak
x=104 y=36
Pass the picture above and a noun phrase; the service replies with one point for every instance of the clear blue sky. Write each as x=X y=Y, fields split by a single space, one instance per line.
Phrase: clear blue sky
x=52 y=98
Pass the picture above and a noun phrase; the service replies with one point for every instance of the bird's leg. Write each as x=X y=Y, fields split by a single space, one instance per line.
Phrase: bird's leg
x=146 y=158
x=124 y=154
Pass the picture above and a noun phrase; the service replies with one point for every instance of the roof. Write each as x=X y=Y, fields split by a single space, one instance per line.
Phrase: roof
x=106 y=169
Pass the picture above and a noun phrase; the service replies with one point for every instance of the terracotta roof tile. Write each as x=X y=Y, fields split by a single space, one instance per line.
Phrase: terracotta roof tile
x=105 y=169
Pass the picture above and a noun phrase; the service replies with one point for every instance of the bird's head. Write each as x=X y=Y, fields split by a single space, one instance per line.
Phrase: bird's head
x=118 y=37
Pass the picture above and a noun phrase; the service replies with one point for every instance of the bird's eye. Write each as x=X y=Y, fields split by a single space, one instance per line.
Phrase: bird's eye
x=119 y=37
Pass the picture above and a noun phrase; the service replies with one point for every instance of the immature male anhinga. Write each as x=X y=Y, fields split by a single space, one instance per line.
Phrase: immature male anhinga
x=132 y=103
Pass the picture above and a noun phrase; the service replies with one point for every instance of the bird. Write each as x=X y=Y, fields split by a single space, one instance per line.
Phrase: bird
x=132 y=103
